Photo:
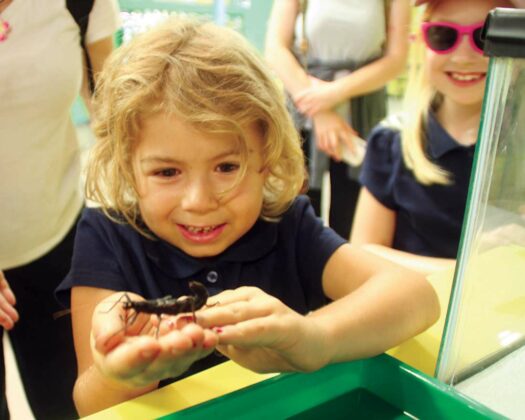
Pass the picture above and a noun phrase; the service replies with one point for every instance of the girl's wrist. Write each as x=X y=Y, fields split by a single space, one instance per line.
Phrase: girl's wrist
x=325 y=339
x=117 y=385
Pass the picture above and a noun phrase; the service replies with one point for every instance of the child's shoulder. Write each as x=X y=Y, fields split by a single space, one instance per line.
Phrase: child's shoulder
x=385 y=138
x=300 y=207
x=106 y=224
x=390 y=126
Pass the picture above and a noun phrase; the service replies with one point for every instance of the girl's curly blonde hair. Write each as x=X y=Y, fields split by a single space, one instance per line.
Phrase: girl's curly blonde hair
x=209 y=77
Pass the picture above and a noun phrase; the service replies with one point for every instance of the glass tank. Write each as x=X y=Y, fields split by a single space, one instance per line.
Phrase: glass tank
x=483 y=348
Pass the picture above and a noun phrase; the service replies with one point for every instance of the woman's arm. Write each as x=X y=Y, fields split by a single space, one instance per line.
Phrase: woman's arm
x=369 y=77
x=8 y=314
x=98 y=52
x=279 y=41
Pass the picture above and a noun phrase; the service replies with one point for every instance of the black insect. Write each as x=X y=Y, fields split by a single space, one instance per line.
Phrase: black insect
x=166 y=305
x=169 y=305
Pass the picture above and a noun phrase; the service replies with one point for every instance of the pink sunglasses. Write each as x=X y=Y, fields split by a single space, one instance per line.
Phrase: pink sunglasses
x=444 y=37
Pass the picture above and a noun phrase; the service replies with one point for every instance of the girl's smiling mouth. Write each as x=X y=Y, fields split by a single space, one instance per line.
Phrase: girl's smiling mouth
x=466 y=79
x=201 y=234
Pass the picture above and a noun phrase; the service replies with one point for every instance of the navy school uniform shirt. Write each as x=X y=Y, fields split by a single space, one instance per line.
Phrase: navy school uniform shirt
x=428 y=218
x=285 y=259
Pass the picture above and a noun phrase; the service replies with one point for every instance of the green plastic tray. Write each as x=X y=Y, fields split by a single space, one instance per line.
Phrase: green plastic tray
x=376 y=388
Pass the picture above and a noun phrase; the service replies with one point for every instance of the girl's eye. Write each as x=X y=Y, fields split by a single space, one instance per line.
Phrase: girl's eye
x=166 y=173
x=228 y=167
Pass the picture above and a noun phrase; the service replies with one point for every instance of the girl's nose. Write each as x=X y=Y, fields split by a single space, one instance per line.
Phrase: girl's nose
x=199 y=196
x=464 y=51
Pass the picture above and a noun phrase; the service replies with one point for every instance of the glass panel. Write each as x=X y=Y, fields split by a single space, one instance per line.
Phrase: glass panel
x=485 y=332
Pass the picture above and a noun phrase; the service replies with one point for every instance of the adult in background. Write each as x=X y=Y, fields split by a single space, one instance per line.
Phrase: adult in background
x=41 y=74
x=334 y=58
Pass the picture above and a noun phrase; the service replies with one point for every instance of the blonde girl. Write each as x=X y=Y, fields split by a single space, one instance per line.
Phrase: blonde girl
x=198 y=169
x=417 y=168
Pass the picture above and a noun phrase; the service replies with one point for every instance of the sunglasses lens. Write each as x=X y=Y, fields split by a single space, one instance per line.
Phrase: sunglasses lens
x=476 y=35
x=441 y=38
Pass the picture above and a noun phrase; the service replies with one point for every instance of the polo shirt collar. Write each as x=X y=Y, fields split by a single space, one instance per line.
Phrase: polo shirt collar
x=255 y=244
x=439 y=141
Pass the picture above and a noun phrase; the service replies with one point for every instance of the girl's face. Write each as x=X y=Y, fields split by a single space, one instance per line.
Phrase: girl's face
x=461 y=73
x=180 y=173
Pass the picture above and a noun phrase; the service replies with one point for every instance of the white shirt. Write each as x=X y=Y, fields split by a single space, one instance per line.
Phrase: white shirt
x=40 y=77
x=344 y=30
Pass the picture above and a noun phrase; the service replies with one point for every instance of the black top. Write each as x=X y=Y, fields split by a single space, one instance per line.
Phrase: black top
x=428 y=218
x=286 y=259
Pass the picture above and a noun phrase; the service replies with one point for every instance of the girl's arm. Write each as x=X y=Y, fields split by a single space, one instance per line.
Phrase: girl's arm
x=374 y=226
x=419 y=263
x=377 y=306
x=93 y=391
x=373 y=222
x=119 y=360
x=369 y=77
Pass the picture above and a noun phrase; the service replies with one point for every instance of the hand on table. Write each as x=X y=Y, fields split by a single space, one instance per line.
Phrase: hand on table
x=259 y=332
x=139 y=355
x=8 y=314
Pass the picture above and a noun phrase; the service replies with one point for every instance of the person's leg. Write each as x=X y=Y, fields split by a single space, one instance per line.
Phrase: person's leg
x=4 y=410
x=43 y=346
x=344 y=192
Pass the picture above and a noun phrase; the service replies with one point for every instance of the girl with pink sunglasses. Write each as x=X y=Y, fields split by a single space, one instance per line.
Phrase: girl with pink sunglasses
x=416 y=173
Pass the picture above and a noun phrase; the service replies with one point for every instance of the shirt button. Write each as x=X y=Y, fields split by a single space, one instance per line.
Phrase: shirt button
x=212 y=276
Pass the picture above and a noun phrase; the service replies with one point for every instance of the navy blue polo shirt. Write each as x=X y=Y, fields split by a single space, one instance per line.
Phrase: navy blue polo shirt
x=428 y=218
x=286 y=259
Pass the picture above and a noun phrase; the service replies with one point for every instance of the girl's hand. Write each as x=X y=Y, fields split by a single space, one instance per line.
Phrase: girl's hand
x=320 y=96
x=259 y=332
x=8 y=314
x=136 y=354
x=330 y=130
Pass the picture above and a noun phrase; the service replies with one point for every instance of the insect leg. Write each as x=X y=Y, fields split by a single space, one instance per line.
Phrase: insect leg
x=123 y=297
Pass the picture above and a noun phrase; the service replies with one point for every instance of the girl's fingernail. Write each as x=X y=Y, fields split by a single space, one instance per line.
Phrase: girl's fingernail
x=187 y=318
x=218 y=330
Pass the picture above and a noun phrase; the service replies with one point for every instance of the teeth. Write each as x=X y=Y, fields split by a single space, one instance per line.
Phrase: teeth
x=196 y=229
x=465 y=77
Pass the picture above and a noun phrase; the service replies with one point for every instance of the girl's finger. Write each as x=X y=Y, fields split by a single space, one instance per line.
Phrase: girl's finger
x=130 y=358
x=258 y=332
x=234 y=295
x=236 y=312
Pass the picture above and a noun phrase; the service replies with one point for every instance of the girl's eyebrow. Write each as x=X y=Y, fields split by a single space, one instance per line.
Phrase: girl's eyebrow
x=163 y=159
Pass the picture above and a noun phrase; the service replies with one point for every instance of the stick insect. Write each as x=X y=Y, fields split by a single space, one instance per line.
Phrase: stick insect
x=166 y=305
